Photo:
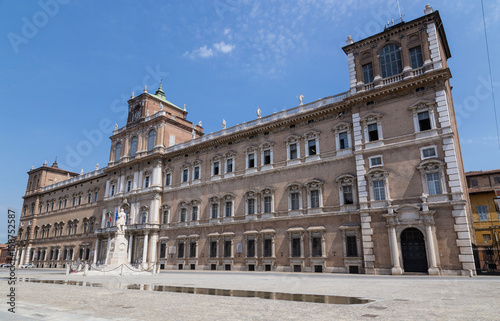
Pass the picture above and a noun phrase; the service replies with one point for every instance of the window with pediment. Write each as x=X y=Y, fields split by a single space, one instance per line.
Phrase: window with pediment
x=372 y=127
x=432 y=172
x=423 y=115
x=377 y=179
x=294 y=197
x=347 y=189
x=293 y=149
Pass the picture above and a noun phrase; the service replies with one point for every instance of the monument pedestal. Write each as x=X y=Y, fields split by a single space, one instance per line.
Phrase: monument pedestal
x=118 y=251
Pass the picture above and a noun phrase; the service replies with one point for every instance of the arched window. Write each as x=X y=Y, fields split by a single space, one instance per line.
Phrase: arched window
x=133 y=146
x=390 y=61
x=118 y=151
x=151 y=139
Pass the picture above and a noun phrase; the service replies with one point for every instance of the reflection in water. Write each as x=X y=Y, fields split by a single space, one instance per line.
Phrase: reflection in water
x=314 y=298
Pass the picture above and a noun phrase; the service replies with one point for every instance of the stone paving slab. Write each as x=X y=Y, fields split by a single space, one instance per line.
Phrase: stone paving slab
x=395 y=297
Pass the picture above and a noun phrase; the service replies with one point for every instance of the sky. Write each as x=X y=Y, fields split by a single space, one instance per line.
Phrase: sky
x=68 y=67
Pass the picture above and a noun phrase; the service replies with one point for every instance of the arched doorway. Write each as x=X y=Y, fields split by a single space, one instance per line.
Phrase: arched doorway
x=413 y=250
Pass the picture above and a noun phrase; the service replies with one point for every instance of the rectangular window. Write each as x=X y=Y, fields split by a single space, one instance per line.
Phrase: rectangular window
x=268 y=247
x=295 y=201
x=66 y=202
x=165 y=217
x=39 y=210
x=482 y=213
x=293 y=151
x=347 y=191
x=168 y=179
x=251 y=160
x=216 y=168
x=79 y=201
x=60 y=203
x=192 y=249
x=416 y=57
x=434 y=183
x=367 y=73
x=251 y=206
x=185 y=174
x=129 y=186
x=375 y=161
x=315 y=199
x=379 y=190
x=229 y=165
x=351 y=246
x=343 y=141
x=163 y=249
x=229 y=209
x=496 y=179
x=180 y=252
x=213 y=248
x=429 y=152
x=95 y=198
x=311 y=147
x=316 y=247
x=146 y=182
x=227 y=248
x=296 y=252
x=215 y=210
x=112 y=193
x=250 y=248
x=89 y=197
x=424 y=121
x=182 y=217
x=486 y=238
x=372 y=132
x=194 y=213
x=268 y=204
x=196 y=174
x=267 y=157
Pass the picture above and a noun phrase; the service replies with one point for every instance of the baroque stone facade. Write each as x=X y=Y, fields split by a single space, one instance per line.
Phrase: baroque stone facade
x=367 y=181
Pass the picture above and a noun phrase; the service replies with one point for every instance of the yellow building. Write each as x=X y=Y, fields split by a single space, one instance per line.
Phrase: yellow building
x=484 y=193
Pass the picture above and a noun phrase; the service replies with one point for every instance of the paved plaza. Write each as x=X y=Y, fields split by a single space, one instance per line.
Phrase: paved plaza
x=137 y=297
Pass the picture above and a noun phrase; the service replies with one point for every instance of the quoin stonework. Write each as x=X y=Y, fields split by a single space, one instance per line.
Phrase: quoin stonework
x=369 y=181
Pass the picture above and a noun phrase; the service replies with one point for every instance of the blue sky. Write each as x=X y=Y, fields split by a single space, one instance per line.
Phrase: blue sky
x=68 y=67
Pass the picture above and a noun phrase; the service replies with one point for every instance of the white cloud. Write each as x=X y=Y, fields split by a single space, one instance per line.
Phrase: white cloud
x=224 y=47
x=202 y=52
x=227 y=31
x=206 y=52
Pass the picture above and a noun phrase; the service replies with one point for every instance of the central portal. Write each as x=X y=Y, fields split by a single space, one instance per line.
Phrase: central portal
x=413 y=250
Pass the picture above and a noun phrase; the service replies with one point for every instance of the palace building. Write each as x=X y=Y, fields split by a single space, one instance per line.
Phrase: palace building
x=370 y=180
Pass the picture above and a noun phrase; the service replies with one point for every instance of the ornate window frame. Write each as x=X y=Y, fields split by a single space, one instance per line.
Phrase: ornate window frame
x=314 y=185
x=185 y=174
x=266 y=147
x=250 y=196
x=424 y=106
x=165 y=214
x=347 y=180
x=370 y=119
x=433 y=166
x=290 y=140
x=341 y=128
x=294 y=188
x=310 y=136
x=266 y=192
x=228 y=207
x=196 y=164
x=214 y=212
x=378 y=174
x=216 y=159
x=229 y=156
x=251 y=150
